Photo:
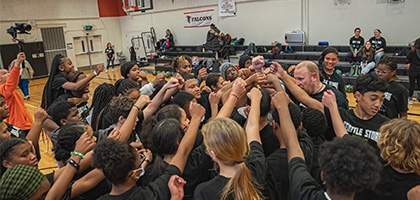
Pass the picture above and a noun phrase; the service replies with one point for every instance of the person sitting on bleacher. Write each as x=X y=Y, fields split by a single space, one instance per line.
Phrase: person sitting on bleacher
x=367 y=54
x=327 y=62
x=379 y=43
x=356 y=44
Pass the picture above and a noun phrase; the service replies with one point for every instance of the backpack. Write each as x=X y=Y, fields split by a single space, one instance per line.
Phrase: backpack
x=402 y=52
x=200 y=48
x=211 y=64
x=288 y=49
x=240 y=41
x=355 y=70
x=261 y=49
x=252 y=49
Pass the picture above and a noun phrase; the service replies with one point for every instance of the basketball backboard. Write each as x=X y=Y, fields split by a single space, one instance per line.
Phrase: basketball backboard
x=136 y=5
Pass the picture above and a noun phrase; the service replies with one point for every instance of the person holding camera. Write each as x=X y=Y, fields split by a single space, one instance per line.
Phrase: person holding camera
x=26 y=73
x=19 y=115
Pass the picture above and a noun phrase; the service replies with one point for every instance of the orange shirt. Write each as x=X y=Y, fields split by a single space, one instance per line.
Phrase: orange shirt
x=19 y=115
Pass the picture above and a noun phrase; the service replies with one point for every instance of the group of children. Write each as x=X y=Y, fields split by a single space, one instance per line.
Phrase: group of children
x=273 y=132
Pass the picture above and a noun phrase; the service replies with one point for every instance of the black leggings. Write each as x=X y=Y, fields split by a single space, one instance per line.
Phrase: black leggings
x=412 y=80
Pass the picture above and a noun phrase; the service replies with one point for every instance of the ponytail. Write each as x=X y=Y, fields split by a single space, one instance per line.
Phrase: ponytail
x=241 y=185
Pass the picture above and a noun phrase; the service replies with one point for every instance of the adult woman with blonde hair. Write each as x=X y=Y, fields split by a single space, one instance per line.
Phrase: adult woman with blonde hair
x=239 y=156
x=399 y=144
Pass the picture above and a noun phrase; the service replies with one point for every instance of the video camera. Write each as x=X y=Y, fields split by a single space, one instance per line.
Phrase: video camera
x=19 y=28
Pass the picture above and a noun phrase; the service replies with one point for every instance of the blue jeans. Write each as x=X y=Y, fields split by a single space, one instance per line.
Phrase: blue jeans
x=107 y=63
x=378 y=56
x=366 y=69
x=23 y=85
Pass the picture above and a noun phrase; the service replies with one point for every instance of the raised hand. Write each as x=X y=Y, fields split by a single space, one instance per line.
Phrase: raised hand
x=143 y=75
x=142 y=101
x=278 y=69
x=20 y=58
x=147 y=153
x=280 y=99
x=159 y=78
x=254 y=94
x=196 y=110
x=328 y=99
x=85 y=143
x=173 y=82
x=214 y=98
x=176 y=187
x=202 y=73
x=258 y=63
x=244 y=73
x=99 y=68
x=115 y=135
x=238 y=87
x=40 y=114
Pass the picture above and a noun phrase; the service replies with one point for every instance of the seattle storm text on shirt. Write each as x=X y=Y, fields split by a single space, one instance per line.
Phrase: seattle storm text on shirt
x=365 y=133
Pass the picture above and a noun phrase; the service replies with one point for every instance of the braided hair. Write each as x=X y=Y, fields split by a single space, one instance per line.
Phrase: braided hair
x=47 y=95
x=101 y=98
x=66 y=140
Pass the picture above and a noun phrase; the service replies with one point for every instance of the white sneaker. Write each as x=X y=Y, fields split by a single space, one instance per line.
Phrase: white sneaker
x=106 y=70
x=112 y=70
x=410 y=101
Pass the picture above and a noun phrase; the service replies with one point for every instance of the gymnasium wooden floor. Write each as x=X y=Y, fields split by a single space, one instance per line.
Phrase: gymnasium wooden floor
x=36 y=86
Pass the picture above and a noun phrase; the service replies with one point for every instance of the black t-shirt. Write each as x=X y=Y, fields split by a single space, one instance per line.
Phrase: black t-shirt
x=356 y=43
x=378 y=43
x=315 y=171
x=303 y=186
x=83 y=108
x=109 y=52
x=269 y=140
x=278 y=186
x=255 y=162
x=395 y=100
x=340 y=97
x=157 y=189
x=15 y=131
x=199 y=169
x=57 y=90
x=393 y=185
x=368 y=130
x=241 y=120
x=414 y=59
x=334 y=80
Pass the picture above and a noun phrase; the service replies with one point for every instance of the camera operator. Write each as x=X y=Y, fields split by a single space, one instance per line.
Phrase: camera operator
x=26 y=73
x=19 y=115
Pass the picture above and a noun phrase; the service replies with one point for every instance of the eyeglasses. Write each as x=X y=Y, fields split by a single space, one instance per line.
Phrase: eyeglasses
x=380 y=71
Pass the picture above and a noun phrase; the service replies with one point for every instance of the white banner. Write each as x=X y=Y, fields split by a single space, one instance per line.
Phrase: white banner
x=227 y=8
x=201 y=18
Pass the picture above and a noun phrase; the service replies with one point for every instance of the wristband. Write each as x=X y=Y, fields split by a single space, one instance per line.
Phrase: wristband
x=234 y=95
x=74 y=164
x=137 y=107
x=198 y=80
x=77 y=154
x=95 y=73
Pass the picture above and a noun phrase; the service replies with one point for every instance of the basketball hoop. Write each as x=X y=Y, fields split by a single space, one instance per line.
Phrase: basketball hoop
x=130 y=9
